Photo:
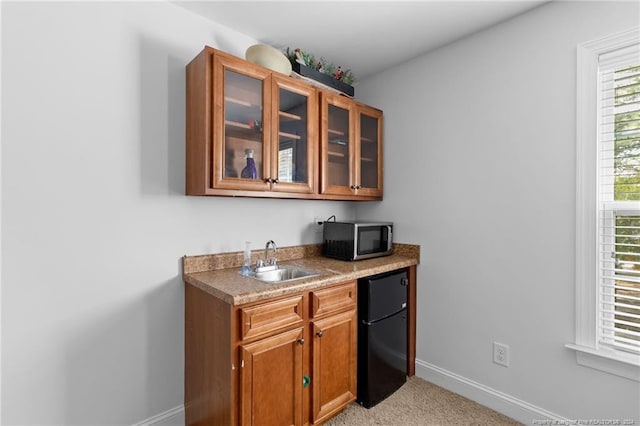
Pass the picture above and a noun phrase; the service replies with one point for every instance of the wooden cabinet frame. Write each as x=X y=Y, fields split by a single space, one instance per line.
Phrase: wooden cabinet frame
x=363 y=191
x=354 y=190
x=312 y=151
x=271 y=376
x=334 y=364
x=221 y=64
x=205 y=135
x=327 y=100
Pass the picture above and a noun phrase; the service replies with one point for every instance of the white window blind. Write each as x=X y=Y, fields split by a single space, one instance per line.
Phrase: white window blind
x=619 y=199
x=285 y=165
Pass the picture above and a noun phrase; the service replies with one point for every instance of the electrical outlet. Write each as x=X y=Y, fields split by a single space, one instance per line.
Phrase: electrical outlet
x=501 y=354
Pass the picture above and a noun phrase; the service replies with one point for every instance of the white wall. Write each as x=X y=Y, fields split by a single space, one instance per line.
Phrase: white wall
x=94 y=217
x=480 y=170
x=480 y=164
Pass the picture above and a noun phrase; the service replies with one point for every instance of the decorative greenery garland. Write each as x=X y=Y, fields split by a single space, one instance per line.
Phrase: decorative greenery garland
x=321 y=65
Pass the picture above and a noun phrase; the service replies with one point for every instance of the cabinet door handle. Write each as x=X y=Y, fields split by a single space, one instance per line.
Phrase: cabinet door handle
x=268 y=180
x=301 y=341
x=319 y=333
x=275 y=180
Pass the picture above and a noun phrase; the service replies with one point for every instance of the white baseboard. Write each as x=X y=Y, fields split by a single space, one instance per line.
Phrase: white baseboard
x=508 y=405
x=173 y=417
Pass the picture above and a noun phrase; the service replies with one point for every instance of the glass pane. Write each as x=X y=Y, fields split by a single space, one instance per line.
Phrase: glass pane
x=242 y=126
x=338 y=150
x=368 y=151
x=624 y=297
x=626 y=133
x=292 y=137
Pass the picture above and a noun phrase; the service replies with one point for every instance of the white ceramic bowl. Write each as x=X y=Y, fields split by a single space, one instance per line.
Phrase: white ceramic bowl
x=268 y=57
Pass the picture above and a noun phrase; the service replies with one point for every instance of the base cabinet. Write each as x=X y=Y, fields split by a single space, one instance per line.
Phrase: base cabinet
x=282 y=361
x=334 y=384
x=271 y=380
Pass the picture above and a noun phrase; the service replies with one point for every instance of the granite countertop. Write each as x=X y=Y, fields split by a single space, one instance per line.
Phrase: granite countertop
x=219 y=274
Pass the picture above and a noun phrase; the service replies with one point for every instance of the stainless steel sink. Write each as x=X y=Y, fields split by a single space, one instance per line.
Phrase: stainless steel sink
x=282 y=274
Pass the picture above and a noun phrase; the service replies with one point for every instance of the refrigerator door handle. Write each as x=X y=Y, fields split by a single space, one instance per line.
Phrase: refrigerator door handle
x=365 y=322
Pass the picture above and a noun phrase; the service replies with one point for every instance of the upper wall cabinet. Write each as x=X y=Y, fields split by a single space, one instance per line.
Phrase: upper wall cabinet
x=241 y=126
x=255 y=132
x=351 y=148
x=295 y=135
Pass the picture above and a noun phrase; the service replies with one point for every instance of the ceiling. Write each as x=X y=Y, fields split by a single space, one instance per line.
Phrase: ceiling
x=364 y=36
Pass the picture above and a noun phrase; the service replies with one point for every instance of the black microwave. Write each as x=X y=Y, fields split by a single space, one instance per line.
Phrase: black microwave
x=355 y=240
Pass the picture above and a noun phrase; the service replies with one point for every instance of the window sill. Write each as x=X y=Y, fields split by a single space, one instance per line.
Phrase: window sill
x=608 y=360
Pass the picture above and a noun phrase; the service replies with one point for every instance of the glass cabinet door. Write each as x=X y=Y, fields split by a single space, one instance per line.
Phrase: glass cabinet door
x=369 y=135
x=241 y=130
x=293 y=154
x=337 y=146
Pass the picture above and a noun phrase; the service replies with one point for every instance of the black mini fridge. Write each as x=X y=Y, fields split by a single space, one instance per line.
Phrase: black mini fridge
x=382 y=336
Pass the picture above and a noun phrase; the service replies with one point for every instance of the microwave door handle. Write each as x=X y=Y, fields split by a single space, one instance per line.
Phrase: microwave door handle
x=355 y=242
x=390 y=237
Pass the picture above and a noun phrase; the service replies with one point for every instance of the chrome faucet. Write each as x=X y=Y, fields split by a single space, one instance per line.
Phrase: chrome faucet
x=267 y=263
x=273 y=261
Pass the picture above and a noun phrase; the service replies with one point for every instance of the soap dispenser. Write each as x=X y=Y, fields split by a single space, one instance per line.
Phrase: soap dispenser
x=246 y=264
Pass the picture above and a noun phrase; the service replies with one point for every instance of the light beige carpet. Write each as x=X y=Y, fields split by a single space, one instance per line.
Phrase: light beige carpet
x=420 y=403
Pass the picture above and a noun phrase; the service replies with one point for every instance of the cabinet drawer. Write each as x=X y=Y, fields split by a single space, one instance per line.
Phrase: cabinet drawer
x=266 y=317
x=333 y=299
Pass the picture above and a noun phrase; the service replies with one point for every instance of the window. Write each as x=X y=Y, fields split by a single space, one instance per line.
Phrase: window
x=619 y=200
x=608 y=205
x=285 y=165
